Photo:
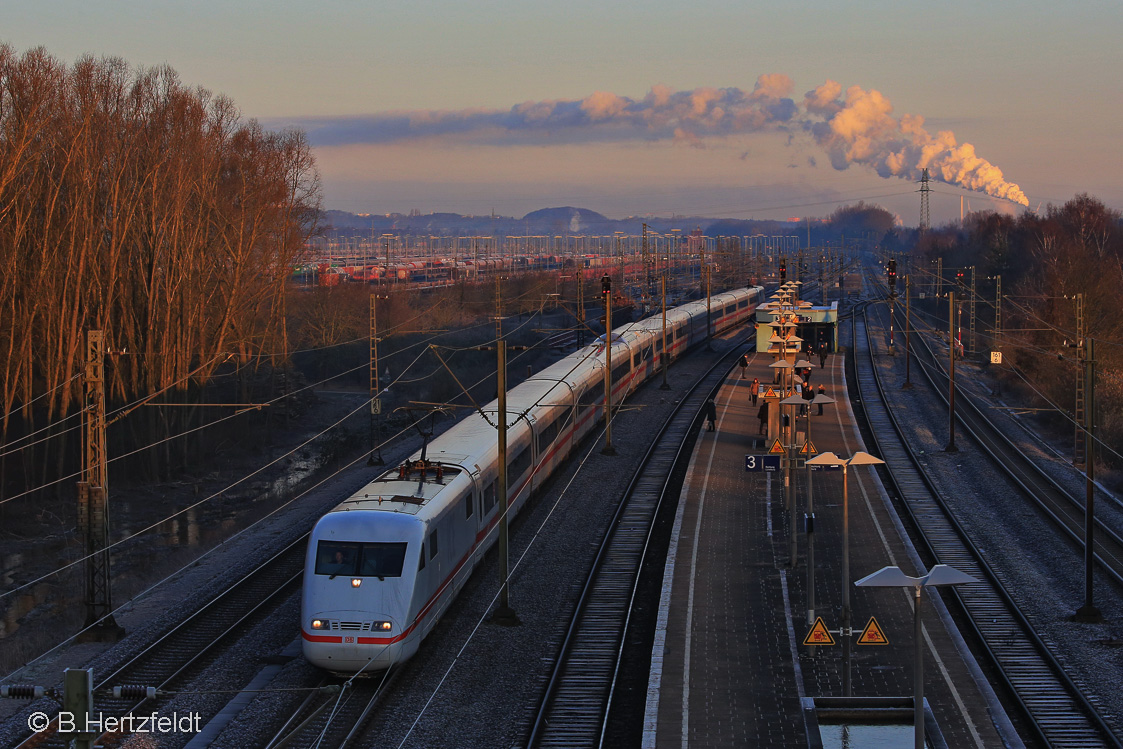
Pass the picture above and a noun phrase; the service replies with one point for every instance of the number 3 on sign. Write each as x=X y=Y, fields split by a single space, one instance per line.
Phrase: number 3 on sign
x=751 y=463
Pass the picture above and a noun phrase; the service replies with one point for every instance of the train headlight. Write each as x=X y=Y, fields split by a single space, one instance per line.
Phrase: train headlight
x=356 y=582
x=384 y=626
x=318 y=624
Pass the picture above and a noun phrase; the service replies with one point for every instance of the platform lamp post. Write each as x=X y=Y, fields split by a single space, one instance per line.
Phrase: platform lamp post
x=783 y=365
x=790 y=454
x=857 y=459
x=893 y=577
x=789 y=447
x=818 y=400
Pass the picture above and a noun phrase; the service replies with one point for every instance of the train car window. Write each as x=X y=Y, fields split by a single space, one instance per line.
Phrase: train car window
x=337 y=558
x=489 y=498
x=519 y=465
x=619 y=372
x=743 y=303
x=593 y=395
x=421 y=563
x=729 y=310
x=636 y=359
x=468 y=505
x=433 y=544
x=659 y=345
x=547 y=435
x=383 y=560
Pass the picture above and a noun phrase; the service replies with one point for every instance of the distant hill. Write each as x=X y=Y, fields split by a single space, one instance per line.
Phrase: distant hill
x=852 y=221
x=569 y=219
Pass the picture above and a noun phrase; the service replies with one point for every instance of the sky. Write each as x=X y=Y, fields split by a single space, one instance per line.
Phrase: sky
x=716 y=108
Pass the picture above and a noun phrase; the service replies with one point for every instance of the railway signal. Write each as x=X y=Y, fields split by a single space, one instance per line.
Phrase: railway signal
x=783 y=269
x=606 y=292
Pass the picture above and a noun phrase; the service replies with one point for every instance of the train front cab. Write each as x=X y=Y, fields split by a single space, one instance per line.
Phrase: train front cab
x=359 y=576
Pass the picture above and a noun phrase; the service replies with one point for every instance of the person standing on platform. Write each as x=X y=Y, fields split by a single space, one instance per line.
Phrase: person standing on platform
x=762 y=414
x=744 y=364
x=823 y=392
x=710 y=410
x=822 y=355
x=754 y=390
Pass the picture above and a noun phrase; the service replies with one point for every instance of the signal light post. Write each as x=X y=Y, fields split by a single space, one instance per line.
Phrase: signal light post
x=375 y=458
x=504 y=614
x=606 y=291
x=664 y=356
x=951 y=448
x=908 y=332
x=891 y=272
x=1088 y=612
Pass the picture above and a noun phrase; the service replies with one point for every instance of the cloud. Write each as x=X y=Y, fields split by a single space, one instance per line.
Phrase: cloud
x=857 y=127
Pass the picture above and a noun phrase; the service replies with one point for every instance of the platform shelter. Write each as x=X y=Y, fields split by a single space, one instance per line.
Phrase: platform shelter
x=814 y=324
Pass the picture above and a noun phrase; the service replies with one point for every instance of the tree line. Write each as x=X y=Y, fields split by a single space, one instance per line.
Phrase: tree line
x=134 y=204
x=1045 y=260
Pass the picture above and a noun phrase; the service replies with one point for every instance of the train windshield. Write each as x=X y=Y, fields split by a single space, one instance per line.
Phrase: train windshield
x=360 y=560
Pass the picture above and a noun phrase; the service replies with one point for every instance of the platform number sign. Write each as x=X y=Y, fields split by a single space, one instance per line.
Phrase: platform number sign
x=768 y=463
x=995 y=357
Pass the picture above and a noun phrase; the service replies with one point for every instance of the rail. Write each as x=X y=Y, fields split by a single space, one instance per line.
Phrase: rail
x=1060 y=714
x=578 y=697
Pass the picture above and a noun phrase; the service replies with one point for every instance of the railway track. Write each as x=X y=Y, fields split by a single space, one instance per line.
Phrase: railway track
x=1060 y=714
x=1064 y=509
x=191 y=645
x=333 y=719
x=579 y=695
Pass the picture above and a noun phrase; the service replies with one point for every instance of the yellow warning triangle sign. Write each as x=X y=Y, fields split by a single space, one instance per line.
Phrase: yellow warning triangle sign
x=776 y=447
x=770 y=393
x=819 y=634
x=872 y=634
x=808 y=448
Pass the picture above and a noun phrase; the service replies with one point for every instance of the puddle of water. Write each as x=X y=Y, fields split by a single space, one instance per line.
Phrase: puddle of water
x=866 y=736
x=8 y=567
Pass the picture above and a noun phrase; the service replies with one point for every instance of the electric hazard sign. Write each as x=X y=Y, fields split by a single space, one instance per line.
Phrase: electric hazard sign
x=872 y=634
x=819 y=634
x=777 y=447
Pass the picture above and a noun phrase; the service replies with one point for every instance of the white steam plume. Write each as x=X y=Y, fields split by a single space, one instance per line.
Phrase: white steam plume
x=859 y=129
x=855 y=128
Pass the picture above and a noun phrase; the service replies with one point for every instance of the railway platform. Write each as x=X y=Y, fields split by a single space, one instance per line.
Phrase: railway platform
x=729 y=667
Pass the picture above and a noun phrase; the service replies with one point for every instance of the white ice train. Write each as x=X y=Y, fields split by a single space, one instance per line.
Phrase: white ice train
x=384 y=565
